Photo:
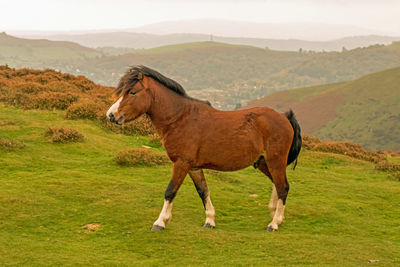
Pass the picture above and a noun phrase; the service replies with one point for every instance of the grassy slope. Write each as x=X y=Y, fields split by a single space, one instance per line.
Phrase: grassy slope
x=340 y=211
x=366 y=110
x=41 y=53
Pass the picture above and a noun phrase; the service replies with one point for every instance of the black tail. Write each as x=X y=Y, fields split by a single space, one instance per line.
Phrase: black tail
x=296 y=143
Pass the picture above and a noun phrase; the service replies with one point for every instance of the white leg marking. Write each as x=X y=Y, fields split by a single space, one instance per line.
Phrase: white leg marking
x=278 y=217
x=273 y=201
x=210 y=212
x=114 y=107
x=165 y=214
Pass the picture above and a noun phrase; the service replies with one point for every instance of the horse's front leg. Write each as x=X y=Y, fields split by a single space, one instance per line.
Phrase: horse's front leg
x=201 y=186
x=179 y=172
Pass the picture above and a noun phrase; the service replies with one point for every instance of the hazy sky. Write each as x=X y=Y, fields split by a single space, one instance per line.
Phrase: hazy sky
x=382 y=15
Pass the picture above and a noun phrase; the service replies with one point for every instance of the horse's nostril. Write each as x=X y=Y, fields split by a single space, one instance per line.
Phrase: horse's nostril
x=111 y=117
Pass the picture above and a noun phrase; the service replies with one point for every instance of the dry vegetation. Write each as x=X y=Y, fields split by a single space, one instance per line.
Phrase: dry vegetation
x=355 y=151
x=8 y=145
x=49 y=89
x=34 y=89
x=140 y=156
x=63 y=135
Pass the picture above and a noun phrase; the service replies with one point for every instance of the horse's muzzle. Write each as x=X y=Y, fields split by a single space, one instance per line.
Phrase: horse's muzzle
x=111 y=117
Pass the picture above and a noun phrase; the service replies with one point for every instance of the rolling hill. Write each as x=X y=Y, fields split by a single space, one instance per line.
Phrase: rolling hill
x=231 y=74
x=227 y=75
x=42 y=53
x=365 y=111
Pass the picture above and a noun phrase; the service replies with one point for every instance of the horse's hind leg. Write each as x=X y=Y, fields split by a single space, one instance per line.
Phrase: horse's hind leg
x=277 y=168
x=201 y=186
x=178 y=175
x=262 y=166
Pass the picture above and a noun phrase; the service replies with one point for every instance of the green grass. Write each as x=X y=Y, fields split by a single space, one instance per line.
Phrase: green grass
x=340 y=211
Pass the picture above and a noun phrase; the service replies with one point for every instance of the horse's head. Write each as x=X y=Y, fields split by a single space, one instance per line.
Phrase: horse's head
x=134 y=97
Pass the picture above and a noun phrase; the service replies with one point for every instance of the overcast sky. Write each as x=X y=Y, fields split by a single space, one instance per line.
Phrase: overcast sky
x=382 y=15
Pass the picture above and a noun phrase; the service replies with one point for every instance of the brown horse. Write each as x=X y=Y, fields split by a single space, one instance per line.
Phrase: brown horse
x=197 y=136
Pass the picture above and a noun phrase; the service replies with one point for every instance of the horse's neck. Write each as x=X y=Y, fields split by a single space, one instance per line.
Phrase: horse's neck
x=167 y=109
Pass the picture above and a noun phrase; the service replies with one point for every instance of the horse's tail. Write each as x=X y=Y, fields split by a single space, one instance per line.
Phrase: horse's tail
x=296 y=143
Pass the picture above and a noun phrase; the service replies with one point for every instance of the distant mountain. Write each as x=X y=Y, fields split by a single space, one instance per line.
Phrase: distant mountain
x=135 y=40
x=302 y=31
x=365 y=111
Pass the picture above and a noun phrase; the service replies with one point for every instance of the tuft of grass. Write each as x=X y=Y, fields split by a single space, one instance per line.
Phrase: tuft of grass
x=141 y=156
x=8 y=145
x=63 y=135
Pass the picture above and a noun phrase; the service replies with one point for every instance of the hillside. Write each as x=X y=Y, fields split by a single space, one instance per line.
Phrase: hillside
x=71 y=204
x=228 y=75
x=366 y=110
x=42 y=53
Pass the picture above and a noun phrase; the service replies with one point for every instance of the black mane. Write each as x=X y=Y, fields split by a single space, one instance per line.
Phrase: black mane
x=130 y=78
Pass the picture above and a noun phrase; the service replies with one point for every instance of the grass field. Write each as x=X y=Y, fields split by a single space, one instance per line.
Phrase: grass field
x=340 y=211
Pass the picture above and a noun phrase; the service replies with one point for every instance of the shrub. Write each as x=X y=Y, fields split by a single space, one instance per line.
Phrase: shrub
x=48 y=89
x=63 y=135
x=350 y=149
x=309 y=142
x=140 y=126
x=9 y=145
x=393 y=168
x=84 y=109
x=140 y=156
x=344 y=148
x=43 y=100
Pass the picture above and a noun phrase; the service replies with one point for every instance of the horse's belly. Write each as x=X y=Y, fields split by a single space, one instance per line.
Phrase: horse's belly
x=230 y=154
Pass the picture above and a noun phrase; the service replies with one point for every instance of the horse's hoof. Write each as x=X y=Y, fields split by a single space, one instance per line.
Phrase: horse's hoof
x=207 y=225
x=157 y=228
x=270 y=229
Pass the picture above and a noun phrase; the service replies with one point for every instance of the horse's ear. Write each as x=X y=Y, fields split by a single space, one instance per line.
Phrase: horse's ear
x=140 y=76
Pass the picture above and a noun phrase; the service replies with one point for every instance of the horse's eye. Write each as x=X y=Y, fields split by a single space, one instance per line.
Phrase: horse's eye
x=132 y=92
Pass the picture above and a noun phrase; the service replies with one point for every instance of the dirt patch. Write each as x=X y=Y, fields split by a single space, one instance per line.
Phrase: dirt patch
x=91 y=227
